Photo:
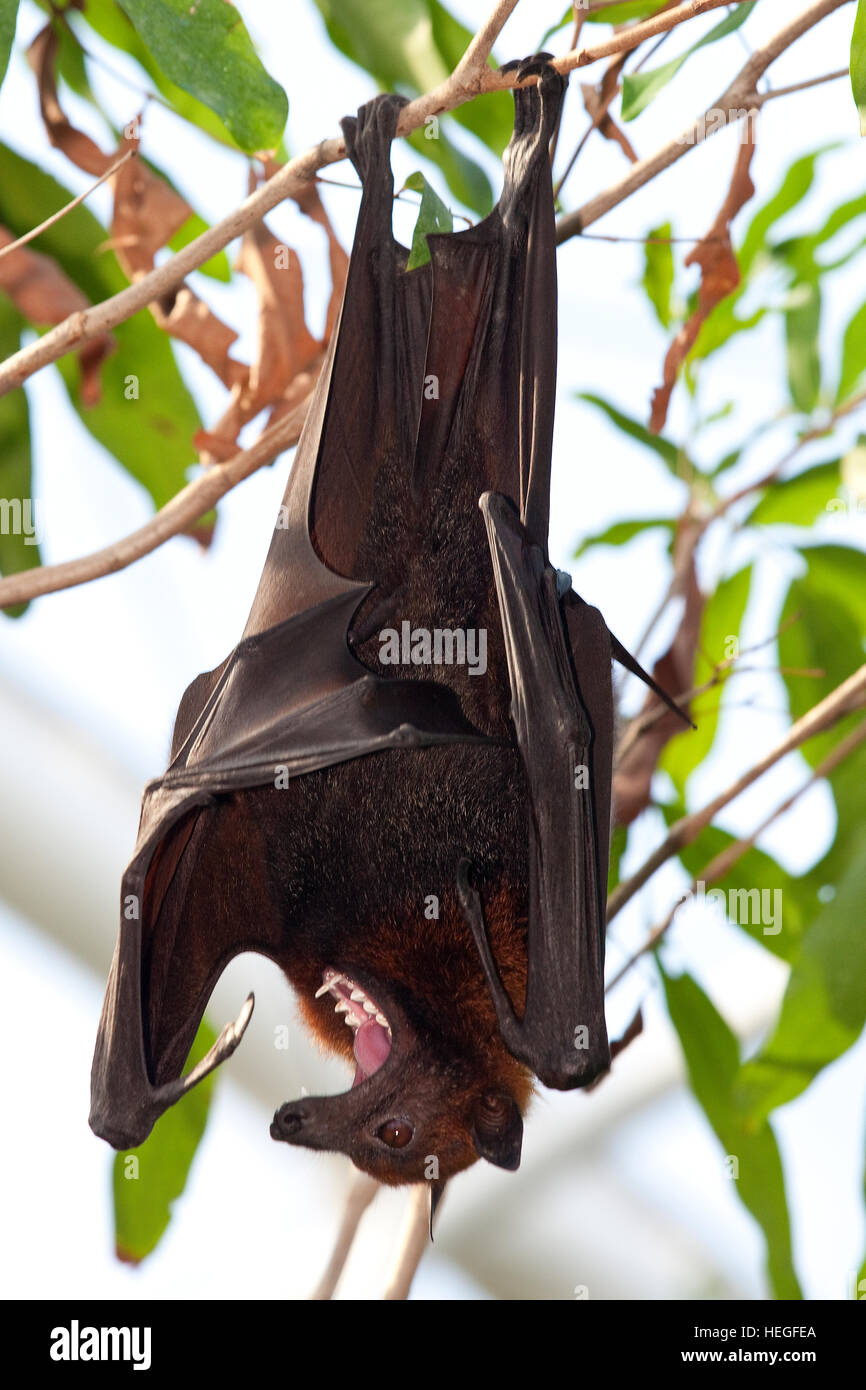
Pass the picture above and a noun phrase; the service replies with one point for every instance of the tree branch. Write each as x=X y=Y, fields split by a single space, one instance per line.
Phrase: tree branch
x=176 y=516
x=849 y=696
x=468 y=81
x=740 y=97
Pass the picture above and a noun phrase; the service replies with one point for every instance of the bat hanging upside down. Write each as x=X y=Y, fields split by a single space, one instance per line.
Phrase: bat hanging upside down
x=397 y=786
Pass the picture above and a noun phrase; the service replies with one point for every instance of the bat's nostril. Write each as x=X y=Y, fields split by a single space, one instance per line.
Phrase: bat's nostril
x=287 y=1121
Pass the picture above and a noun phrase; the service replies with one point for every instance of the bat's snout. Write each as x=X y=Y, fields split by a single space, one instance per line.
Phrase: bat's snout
x=288 y=1121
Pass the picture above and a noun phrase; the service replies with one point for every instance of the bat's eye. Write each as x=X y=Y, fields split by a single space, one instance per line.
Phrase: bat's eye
x=396 y=1133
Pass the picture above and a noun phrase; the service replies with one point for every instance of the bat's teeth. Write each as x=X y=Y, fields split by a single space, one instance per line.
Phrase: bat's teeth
x=332 y=978
x=369 y=1007
x=380 y=1018
x=357 y=995
x=341 y=1006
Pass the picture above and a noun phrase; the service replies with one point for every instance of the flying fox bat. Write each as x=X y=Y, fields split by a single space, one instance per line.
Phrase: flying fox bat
x=420 y=844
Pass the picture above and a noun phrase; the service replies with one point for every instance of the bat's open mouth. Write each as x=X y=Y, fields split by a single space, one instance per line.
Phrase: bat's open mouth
x=369 y=1024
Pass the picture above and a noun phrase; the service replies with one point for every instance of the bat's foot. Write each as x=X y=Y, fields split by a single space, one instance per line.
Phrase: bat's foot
x=368 y=135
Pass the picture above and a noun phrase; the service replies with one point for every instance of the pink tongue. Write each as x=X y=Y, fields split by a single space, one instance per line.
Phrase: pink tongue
x=372 y=1046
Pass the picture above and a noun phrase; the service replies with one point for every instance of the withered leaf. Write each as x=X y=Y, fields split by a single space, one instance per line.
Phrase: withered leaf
x=720 y=276
x=44 y=294
x=596 y=104
x=147 y=213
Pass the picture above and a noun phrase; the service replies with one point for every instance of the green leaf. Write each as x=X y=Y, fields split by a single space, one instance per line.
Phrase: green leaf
x=19 y=512
x=623 y=531
x=466 y=179
x=411 y=47
x=802 y=332
x=205 y=49
x=720 y=627
x=621 y=14
x=618 y=843
x=793 y=189
x=147 y=1180
x=824 y=1009
x=671 y=454
x=712 y=1060
x=640 y=88
x=858 y=63
x=824 y=624
x=108 y=20
x=616 y=14
x=799 y=501
x=433 y=216
x=853 y=356
x=151 y=437
x=8 y=18
x=729 y=461
x=658 y=275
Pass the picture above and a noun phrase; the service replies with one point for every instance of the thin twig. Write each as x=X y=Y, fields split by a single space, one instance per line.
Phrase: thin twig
x=61 y=212
x=290 y=180
x=764 y=97
x=650 y=240
x=849 y=696
x=730 y=666
x=719 y=867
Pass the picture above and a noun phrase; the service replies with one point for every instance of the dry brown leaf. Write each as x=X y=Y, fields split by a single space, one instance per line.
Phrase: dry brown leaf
x=674 y=672
x=596 y=103
x=41 y=55
x=41 y=291
x=288 y=357
x=187 y=318
x=147 y=213
x=720 y=276
x=310 y=203
x=285 y=345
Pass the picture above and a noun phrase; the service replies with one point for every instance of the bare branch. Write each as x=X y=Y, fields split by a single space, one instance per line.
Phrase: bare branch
x=175 y=517
x=848 y=697
x=804 y=86
x=474 y=60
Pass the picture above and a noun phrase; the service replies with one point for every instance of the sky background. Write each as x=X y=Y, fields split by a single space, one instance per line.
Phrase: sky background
x=624 y=1191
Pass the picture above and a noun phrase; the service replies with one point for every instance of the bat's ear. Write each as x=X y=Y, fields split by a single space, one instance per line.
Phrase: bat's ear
x=497 y=1129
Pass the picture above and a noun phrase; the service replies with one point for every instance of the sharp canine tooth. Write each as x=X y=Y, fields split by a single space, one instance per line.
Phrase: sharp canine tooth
x=380 y=1018
x=324 y=990
x=357 y=995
